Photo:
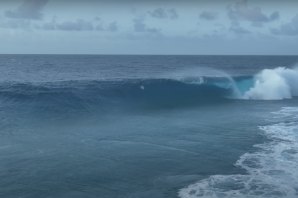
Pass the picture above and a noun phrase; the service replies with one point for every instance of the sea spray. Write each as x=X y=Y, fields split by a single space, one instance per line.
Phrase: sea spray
x=274 y=84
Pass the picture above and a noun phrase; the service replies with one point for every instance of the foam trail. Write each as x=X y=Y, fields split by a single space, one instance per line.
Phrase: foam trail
x=271 y=171
x=274 y=84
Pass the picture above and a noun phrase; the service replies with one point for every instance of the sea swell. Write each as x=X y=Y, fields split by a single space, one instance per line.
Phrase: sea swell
x=269 y=84
x=133 y=92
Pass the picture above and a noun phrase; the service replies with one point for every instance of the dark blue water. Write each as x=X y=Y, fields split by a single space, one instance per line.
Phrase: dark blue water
x=148 y=126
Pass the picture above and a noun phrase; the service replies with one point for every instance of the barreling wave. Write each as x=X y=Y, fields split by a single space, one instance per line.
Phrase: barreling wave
x=269 y=84
x=107 y=94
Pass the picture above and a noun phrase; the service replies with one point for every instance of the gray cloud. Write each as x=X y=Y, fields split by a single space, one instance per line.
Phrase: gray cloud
x=207 y=15
x=79 y=25
x=16 y=24
x=241 y=11
x=173 y=14
x=162 y=13
x=274 y=16
x=29 y=9
x=99 y=27
x=288 y=29
x=140 y=26
x=47 y=26
x=113 y=27
x=75 y=25
x=239 y=30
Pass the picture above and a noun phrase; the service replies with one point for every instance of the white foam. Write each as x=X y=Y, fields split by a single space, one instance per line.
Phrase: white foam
x=272 y=171
x=269 y=84
x=274 y=84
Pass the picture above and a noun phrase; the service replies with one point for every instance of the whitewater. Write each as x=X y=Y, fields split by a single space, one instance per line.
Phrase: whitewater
x=270 y=172
x=274 y=84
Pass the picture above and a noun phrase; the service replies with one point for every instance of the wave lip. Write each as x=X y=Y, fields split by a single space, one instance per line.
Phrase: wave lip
x=271 y=172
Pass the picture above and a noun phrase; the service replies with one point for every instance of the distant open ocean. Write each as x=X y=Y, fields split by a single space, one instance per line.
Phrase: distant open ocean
x=91 y=126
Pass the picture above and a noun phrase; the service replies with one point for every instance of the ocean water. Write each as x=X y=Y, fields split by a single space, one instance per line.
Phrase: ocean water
x=148 y=126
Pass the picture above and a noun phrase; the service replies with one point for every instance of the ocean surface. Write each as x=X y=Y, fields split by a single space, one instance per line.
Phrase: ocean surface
x=88 y=126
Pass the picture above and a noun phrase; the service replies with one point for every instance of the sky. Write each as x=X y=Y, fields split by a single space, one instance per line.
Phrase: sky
x=201 y=27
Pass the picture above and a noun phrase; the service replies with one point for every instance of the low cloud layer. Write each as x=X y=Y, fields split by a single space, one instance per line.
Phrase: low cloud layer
x=176 y=26
x=16 y=24
x=242 y=11
x=77 y=25
x=55 y=25
x=80 y=25
x=208 y=15
x=288 y=29
x=239 y=30
x=141 y=27
x=162 y=13
x=29 y=9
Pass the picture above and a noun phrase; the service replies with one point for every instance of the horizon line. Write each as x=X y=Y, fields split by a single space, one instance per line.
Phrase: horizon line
x=91 y=54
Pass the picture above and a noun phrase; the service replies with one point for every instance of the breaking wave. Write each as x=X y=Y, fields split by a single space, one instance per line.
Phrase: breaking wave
x=269 y=84
x=274 y=84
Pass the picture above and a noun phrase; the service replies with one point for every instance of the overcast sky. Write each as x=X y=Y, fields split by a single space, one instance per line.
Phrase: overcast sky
x=149 y=27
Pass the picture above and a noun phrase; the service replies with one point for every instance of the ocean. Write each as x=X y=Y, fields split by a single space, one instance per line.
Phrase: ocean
x=124 y=126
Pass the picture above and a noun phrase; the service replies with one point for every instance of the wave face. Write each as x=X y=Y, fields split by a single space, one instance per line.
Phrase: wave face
x=152 y=92
x=271 y=171
x=269 y=84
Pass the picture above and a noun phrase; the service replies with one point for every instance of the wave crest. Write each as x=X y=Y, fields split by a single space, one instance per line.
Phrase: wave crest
x=274 y=84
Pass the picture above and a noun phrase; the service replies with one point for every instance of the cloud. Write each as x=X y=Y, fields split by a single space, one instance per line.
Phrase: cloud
x=140 y=26
x=241 y=11
x=29 y=9
x=207 y=15
x=162 y=13
x=16 y=24
x=173 y=14
x=239 y=30
x=79 y=25
x=54 y=25
x=47 y=26
x=274 y=16
x=288 y=29
x=113 y=27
